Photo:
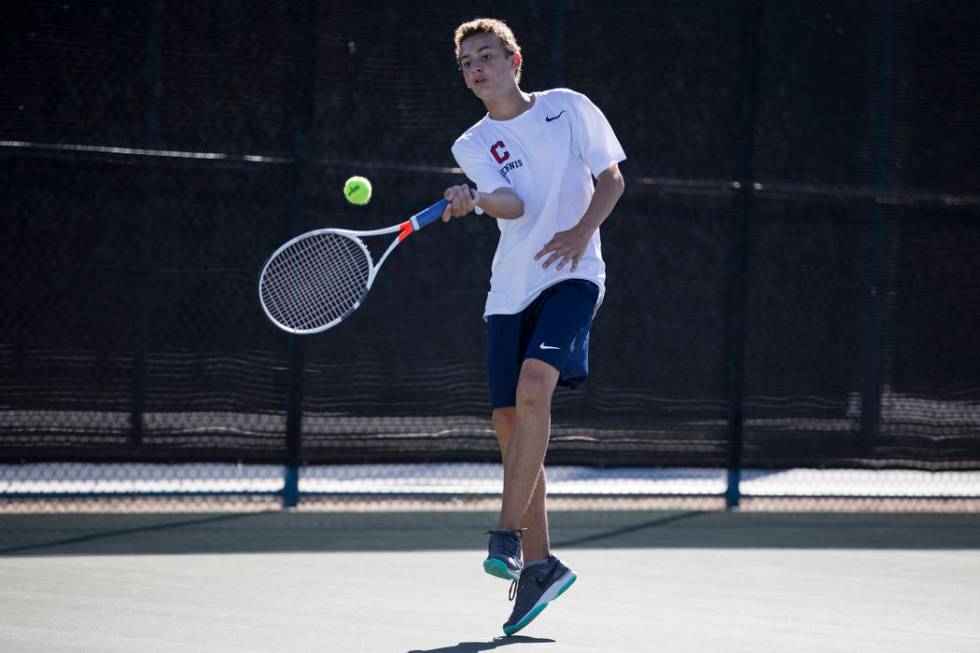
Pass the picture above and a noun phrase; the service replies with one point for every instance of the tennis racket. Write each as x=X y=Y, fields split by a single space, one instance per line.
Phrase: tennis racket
x=317 y=279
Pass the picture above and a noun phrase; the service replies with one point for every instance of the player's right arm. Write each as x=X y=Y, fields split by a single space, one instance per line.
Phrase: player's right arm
x=497 y=197
x=502 y=203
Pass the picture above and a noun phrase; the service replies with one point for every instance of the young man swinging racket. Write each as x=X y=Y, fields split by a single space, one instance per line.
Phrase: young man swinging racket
x=532 y=159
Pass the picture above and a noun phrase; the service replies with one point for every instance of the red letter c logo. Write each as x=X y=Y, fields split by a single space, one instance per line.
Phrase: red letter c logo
x=499 y=157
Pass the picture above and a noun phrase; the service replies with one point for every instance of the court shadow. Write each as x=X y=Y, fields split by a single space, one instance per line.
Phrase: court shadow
x=282 y=532
x=474 y=647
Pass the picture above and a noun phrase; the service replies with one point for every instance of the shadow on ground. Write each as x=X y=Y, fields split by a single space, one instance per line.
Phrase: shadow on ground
x=474 y=647
x=149 y=533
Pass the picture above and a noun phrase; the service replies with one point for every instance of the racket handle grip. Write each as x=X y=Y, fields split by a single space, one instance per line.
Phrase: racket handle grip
x=433 y=213
x=428 y=216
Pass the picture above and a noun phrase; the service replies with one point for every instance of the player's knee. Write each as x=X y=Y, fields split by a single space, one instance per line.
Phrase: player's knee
x=534 y=390
x=504 y=421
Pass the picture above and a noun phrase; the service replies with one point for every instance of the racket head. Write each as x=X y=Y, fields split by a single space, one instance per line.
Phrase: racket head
x=314 y=281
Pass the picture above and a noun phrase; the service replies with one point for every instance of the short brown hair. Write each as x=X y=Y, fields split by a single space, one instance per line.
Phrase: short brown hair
x=494 y=26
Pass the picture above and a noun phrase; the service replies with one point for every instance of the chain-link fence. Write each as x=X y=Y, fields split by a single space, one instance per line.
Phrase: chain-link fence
x=792 y=271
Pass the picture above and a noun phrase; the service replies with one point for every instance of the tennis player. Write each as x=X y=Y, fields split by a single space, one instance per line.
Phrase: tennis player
x=532 y=159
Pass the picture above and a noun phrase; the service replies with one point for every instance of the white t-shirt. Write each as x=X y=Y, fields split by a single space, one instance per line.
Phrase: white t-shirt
x=548 y=156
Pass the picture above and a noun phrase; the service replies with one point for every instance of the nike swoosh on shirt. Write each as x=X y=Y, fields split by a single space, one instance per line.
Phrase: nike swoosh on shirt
x=544 y=346
x=550 y=118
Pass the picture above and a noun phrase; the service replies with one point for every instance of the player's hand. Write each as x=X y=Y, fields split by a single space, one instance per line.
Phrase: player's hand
x=460 y=200
x=566 y=247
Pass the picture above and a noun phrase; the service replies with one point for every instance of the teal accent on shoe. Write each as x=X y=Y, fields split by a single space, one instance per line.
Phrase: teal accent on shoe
x=510 y=630
x=497 y=568
x=567 y=585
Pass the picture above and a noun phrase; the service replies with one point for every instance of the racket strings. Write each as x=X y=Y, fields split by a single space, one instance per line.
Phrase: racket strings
x=321 y=282
x=315 y=281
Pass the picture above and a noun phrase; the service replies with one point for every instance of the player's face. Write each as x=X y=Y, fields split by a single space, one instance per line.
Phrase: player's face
x=487 y=68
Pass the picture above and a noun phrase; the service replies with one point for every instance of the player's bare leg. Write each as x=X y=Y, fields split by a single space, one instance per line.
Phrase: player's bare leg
x=535 y=543
x=529 y=443
x=546 y=579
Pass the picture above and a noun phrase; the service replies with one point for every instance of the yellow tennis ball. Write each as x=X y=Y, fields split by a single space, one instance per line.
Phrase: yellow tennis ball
x=357 y=190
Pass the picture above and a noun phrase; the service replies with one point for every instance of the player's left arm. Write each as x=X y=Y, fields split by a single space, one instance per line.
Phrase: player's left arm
x=569 y=245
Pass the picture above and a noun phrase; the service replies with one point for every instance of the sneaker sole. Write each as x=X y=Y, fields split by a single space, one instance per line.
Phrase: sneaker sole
x=563 y=584
x=499 y=569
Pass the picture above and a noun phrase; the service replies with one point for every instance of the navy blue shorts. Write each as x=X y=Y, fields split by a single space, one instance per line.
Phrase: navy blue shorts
x=554 y=328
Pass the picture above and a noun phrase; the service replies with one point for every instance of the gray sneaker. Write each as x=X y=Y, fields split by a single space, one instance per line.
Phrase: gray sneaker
x=538 y=586
x=504 y=559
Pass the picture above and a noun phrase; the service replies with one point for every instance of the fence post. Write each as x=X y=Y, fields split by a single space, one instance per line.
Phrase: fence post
x=153 y=90
x=294 y=424
x=557 y=55
x=306 y=49
x=748 y=76
x=883 y=28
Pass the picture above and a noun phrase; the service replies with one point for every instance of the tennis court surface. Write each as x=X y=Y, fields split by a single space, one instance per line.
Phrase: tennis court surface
x=662 y=580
